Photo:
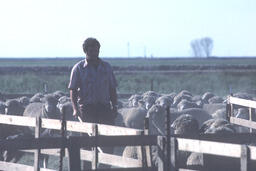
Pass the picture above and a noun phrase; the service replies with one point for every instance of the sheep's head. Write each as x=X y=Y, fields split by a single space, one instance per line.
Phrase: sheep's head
x=185 y=125
x=164 y=101
x=50 y=106
x=13 y=107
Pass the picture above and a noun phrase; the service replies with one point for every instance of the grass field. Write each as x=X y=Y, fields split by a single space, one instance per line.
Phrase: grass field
x=124 y=62
x=219 y=82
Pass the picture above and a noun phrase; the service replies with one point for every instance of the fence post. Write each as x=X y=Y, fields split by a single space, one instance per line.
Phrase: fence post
x=45 y=88
x=174 y=145
x=168 y=136
x=160 y=153
x=147 y=148
x=95 y=158
x=250 y=117
x=152 y=85
x=37 y=151
x=228 y=110
x=245 y=158
x=74 y=154
x=142 y=153
x=63 y=136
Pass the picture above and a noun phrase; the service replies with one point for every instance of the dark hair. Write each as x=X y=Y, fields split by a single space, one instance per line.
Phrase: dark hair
x=90 y=42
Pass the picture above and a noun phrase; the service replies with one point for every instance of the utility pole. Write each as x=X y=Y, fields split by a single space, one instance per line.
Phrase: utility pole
x=145 y=52
x=128 y=49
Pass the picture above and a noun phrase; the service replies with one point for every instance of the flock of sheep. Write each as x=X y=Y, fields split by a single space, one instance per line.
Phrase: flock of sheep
x=190 y=115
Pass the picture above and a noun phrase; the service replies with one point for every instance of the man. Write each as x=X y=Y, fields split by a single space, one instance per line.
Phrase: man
x=93 y=87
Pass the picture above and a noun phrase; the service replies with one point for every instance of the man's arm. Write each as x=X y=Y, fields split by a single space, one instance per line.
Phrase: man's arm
x=113 y=99
x=73 y=96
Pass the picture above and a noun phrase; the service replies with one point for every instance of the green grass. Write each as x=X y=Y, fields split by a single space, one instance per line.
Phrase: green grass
x=219 y=83
x=32 y=83
x=181 y=61
x=125 y=62
x=197 y=82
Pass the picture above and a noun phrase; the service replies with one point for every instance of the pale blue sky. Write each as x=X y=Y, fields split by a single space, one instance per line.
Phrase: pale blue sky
x=162 y=28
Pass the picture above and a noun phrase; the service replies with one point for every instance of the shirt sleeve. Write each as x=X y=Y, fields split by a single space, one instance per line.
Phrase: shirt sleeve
x=73 y=83
x=113 y=82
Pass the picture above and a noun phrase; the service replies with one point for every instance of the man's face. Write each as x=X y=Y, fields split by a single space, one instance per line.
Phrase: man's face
x=92 y=52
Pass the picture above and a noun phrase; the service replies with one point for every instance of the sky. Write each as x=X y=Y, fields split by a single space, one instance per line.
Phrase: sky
x=126 y=28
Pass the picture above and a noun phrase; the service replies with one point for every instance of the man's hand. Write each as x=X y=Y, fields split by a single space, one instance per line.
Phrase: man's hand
x=114 y=110
x=76 y=113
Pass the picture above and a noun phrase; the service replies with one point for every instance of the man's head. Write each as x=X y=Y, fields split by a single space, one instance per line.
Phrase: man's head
x=91 y=47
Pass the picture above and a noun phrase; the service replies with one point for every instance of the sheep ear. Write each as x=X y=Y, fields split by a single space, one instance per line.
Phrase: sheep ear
x=157 y=108
x=147 y=116
x=141 y=102
x=42 y=99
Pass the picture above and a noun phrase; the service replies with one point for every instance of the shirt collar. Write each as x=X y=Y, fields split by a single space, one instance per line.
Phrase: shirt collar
x=86 y=63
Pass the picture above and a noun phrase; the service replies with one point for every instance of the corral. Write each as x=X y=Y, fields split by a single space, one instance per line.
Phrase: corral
x=231 y=146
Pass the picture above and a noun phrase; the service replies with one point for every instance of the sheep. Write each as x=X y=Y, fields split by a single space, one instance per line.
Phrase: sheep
x=165 y=101
x=215 y=99
x=150 y=93
x=148 y=101
x=206 y=96
x=243 y=113
x=185 y=104
x=47 y=109
x=67 y=110
x=24 y=100
x=58 y=94
x=134 y=99
x=133 y=117
x=214 y=125
x=185 y=125
x=157 y=116
x=182 y=95
x=220 y=114
x=212 y=108
x=36 y=98
x=210 y=162
x=14 y=107
x=2 y=107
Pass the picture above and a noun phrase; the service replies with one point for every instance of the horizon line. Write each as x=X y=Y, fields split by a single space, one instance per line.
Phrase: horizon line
x=123 y=57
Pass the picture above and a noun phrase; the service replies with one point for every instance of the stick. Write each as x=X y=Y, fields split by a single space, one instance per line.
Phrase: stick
x=81 y=121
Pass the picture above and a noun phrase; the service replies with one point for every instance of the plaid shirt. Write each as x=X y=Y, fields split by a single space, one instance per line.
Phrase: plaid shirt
x=93 y=84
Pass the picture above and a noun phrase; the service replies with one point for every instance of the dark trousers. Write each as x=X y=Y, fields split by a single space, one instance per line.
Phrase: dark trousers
x=102 y=114
x=97 y=113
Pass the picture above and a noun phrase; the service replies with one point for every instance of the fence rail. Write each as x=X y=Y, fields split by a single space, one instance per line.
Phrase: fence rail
x=250 y=104
x=232 y=145
x=71 y=125
x=111 y=131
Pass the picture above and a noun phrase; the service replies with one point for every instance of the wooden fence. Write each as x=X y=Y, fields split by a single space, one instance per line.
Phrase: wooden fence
x=89 y=128
x=232 y=145
x=251 y=105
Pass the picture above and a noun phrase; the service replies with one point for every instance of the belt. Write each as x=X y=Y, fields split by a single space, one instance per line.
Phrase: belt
x=96 y=105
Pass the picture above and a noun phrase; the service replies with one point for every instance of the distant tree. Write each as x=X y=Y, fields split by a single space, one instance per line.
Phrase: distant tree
x=202 y=47
x=196 y=47
x=207 y=45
